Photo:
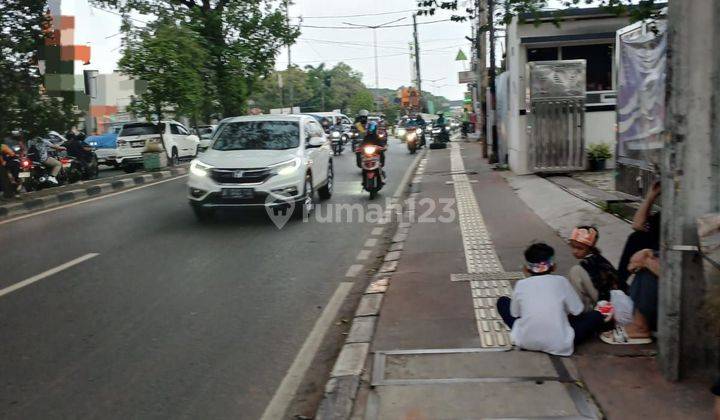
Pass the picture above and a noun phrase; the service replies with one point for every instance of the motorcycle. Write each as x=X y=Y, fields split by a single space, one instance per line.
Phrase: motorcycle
x=373 y=176
x=35 y=175
x=337 y=142
x=414 y=139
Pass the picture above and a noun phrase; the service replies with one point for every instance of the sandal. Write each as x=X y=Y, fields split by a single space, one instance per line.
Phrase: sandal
x=619 y=336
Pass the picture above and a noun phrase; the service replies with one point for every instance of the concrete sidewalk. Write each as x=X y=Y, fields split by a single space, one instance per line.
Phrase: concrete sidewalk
x=440 y=350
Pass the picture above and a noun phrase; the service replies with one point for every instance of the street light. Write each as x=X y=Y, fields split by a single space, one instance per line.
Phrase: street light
x=374 y=27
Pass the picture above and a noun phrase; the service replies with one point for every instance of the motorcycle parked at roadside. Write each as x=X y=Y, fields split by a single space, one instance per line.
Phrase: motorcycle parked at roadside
x=373 y=175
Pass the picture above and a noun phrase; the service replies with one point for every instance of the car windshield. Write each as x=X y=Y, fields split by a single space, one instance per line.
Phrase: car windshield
x=138 y=129
x=205 y=130
x=258 y=135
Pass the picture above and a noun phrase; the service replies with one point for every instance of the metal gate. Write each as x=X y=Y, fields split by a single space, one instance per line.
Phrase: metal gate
x=556 y=115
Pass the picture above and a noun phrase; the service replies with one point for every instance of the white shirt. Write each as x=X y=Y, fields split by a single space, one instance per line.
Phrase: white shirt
x=542 y=304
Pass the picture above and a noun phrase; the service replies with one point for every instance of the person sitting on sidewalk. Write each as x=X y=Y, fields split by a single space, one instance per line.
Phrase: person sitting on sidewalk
x=644 y=294
x=647 y=232
x=538 y=311
x=594 y=277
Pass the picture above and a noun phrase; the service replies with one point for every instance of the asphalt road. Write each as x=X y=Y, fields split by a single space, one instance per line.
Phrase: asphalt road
x=172 y=319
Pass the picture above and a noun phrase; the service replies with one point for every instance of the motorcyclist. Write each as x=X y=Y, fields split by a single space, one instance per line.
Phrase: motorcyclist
x=422 y=124
x=372 y=138
x=361 y=122
x=440 y=123
x=325 y=123
x=77 y=148
x=43 y=146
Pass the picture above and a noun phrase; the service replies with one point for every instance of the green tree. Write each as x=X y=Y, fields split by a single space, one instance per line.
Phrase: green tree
x=268 y=94
x=242 y=38
x=22 y=104
x=362 y=100
x=166 y=55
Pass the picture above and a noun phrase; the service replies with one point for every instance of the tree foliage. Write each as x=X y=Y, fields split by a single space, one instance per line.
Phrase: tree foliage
x=312 y=89
x=22 y=104
x=241 y=38
x=166 y=54
x=505 y=10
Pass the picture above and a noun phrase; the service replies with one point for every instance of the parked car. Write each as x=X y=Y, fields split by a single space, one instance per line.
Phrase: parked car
x=265 y=160
x=105 y=145
x=175 y=138
x=205 y=132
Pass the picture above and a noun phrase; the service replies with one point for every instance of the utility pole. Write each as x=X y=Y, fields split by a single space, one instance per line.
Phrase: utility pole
x=418 y=77
x=491 y=84
x=478 y=93
x=374 y=29
x=289 y=49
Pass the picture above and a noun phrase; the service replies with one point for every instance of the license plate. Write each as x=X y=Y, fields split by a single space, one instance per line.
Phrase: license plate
x=237 y=192
x=24 y=174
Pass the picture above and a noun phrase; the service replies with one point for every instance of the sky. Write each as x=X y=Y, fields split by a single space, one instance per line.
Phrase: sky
x=439 y=42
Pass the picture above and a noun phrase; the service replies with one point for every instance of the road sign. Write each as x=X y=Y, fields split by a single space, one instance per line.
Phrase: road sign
x=461 y=56
x=466 y=76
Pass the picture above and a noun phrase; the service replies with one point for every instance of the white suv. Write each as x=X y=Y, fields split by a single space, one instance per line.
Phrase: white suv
x=263 y=160
x=132 y=138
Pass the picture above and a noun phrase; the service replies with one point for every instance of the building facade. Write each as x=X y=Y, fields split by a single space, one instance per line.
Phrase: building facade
x=582 y=34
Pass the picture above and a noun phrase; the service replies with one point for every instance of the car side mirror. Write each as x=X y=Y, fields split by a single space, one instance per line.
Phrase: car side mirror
x=193 y=138
x=315 y=142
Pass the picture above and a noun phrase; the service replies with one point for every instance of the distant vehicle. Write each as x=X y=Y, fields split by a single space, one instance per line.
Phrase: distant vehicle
x=335 y=118
x=106 y=145
x=274 y=161
x=132 y=138
x=205 y=132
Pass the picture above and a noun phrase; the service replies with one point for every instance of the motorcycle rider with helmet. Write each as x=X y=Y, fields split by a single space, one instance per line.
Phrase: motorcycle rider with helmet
x=372 y=138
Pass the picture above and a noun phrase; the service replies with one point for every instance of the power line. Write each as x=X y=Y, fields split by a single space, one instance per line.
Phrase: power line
x=358 y=15
x=351 y=44
x=364 y=27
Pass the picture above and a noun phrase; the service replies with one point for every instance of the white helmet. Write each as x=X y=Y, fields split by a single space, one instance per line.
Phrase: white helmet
x=363 y=113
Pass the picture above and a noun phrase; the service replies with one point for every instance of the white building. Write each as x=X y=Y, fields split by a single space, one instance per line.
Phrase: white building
x=587 y=34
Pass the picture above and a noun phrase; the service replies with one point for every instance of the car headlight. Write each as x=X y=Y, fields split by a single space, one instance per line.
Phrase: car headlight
x=286 y=168
x=198 y=168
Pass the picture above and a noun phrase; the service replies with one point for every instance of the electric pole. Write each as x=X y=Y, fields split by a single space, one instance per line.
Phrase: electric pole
x=289 y=49
x=374 y=29
x=418 y=77
x=494 y=158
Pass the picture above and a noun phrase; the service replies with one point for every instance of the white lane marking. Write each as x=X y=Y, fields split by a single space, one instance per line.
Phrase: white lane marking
x=363 y=254
x=288 y=388
x=371 y=242
x=25 y=216
x=406 y=177
x=45 y=274
x=377 y=231
x=354 y=270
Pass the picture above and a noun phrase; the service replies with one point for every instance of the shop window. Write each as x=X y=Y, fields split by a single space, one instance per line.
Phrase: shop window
x=542 y=54
x=599 y=64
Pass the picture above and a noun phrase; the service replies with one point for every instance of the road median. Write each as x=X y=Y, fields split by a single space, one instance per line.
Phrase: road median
x=67 y=194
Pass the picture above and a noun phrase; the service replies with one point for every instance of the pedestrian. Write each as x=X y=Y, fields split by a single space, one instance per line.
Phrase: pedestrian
x=645 y=265
x=646 y=224
x=545 y=314
x=594 y=276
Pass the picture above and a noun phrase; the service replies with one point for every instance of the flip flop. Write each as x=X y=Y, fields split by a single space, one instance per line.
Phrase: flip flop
x=619 y=336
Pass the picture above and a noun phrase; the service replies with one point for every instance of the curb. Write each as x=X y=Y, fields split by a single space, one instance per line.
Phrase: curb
x=342 y=388
x=65 y=197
